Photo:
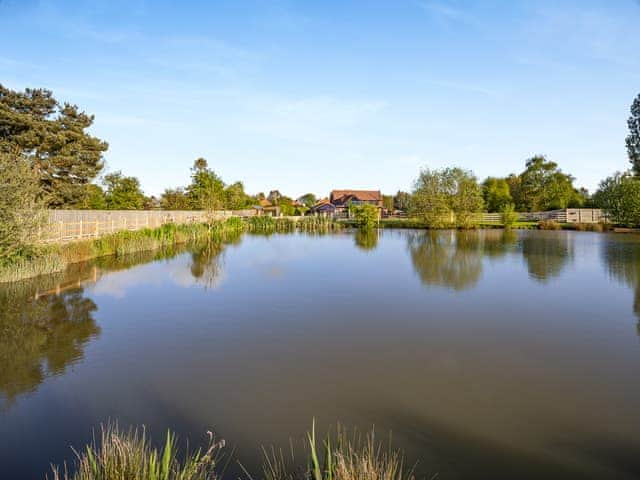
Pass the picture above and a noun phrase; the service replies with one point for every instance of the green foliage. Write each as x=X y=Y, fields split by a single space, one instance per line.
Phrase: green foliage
x=123 y=193
x=619 y=197
x=402 y=201
x=496 y=194
x=94 y=198
x=633 y=140
x=508 y=215
x=20 y=206
x=447 y=197
x=235 y=197
x=308 y=200
x=206 y=191
x=387 y=202
x=543 y=186
x=366 y=215
x=129 y=455
x=54 y=137
x=174 y=199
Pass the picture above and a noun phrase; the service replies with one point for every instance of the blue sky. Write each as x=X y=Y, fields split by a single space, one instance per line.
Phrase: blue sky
x=309 y=96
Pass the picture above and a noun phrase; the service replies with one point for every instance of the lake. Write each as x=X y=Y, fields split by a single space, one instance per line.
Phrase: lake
x=487 y=354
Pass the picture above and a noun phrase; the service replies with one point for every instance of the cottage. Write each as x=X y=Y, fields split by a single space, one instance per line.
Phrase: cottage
x=341 y=199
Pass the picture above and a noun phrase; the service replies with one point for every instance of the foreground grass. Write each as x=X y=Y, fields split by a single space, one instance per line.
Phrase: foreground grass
x=118 y=455
x=129 y=455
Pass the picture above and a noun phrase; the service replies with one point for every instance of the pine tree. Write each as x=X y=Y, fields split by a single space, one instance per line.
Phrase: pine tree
x=633 y=140
x=53 y=137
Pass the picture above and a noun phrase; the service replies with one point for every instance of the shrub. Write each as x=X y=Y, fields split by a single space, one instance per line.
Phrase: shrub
x=548 y=225
x=508 y=215
x=20 y=206
x=366 y=216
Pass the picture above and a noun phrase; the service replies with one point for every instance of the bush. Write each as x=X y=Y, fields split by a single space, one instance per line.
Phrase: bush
x=366 y=216
x=548 y=225
x=21 y=208
x=508 y=215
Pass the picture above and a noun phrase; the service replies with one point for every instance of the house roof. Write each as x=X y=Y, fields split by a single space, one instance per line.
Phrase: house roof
x=265 y=203
x=361 y=195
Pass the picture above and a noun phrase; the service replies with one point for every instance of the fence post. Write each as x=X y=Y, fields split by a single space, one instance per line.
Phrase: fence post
x=97 y=228
x=60 y=230
x=80 y=228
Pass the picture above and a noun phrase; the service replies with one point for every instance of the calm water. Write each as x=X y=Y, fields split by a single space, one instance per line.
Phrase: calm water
x=488 y=355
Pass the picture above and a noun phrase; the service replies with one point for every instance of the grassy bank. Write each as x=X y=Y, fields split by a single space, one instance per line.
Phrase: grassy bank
x=45 y=260
x=417 y=223
x=117 y=454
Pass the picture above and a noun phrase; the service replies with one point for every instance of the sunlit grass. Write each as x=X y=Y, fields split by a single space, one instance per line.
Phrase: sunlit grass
x=120 y=455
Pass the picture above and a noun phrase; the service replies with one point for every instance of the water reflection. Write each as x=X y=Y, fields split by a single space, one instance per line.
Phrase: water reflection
x=546 y=253
x=40 y=336
x=622 y=259
x=454 y=258
x=451 y=259
x=366 y=238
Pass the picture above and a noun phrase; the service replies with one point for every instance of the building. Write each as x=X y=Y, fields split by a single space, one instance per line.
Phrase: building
x=337 y=205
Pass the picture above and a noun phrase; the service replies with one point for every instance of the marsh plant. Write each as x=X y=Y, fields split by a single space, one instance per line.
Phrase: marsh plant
x=343 y=456
x=118 y=454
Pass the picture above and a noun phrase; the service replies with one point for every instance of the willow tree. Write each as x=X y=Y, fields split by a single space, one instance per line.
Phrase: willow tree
x=53 y=136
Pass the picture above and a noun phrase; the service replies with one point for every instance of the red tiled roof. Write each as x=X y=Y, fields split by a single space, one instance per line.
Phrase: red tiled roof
x=361 y=195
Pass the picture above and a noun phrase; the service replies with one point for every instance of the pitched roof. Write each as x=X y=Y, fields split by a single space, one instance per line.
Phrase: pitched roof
x=362 y=195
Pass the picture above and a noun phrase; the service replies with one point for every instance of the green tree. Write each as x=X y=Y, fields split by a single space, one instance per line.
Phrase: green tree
x=387 y=202
x=123 y=193
x=286 y=205
x=308 y=199
x=633 y=140
x=402 y=201
x=20 y=205
x=54 y=137
x=496 y=194
x=174 y=199
x=366 y=215
x=450 y=196
x=544 y=186
x=94 y=198
x=235 y=197
x=619 y=197
x=206 y=191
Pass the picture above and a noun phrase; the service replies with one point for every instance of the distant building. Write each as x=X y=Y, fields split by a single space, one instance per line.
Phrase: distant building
x=337 y=205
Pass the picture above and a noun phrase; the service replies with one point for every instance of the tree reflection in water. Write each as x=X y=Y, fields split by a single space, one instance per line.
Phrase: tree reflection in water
x=546 y=253
x=446 y=258
x=622 y=258
x=366 y=238
x=207 y=260
x=40 y=337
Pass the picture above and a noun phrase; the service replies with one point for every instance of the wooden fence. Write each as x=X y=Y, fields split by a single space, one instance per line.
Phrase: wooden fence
x=567 y=215
x=68 y=225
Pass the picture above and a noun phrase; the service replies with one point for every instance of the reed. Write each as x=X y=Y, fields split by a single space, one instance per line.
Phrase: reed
x=346 y=456
x=130 y=455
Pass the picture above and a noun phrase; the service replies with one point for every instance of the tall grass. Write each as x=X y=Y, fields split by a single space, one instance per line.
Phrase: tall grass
x=118 y=455
x=56 y=258
x=343 y=457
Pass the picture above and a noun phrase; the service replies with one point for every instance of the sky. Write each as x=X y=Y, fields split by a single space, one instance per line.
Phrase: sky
x=308 y=96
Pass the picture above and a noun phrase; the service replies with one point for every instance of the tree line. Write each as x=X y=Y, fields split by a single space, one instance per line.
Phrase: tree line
x=49 y=159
